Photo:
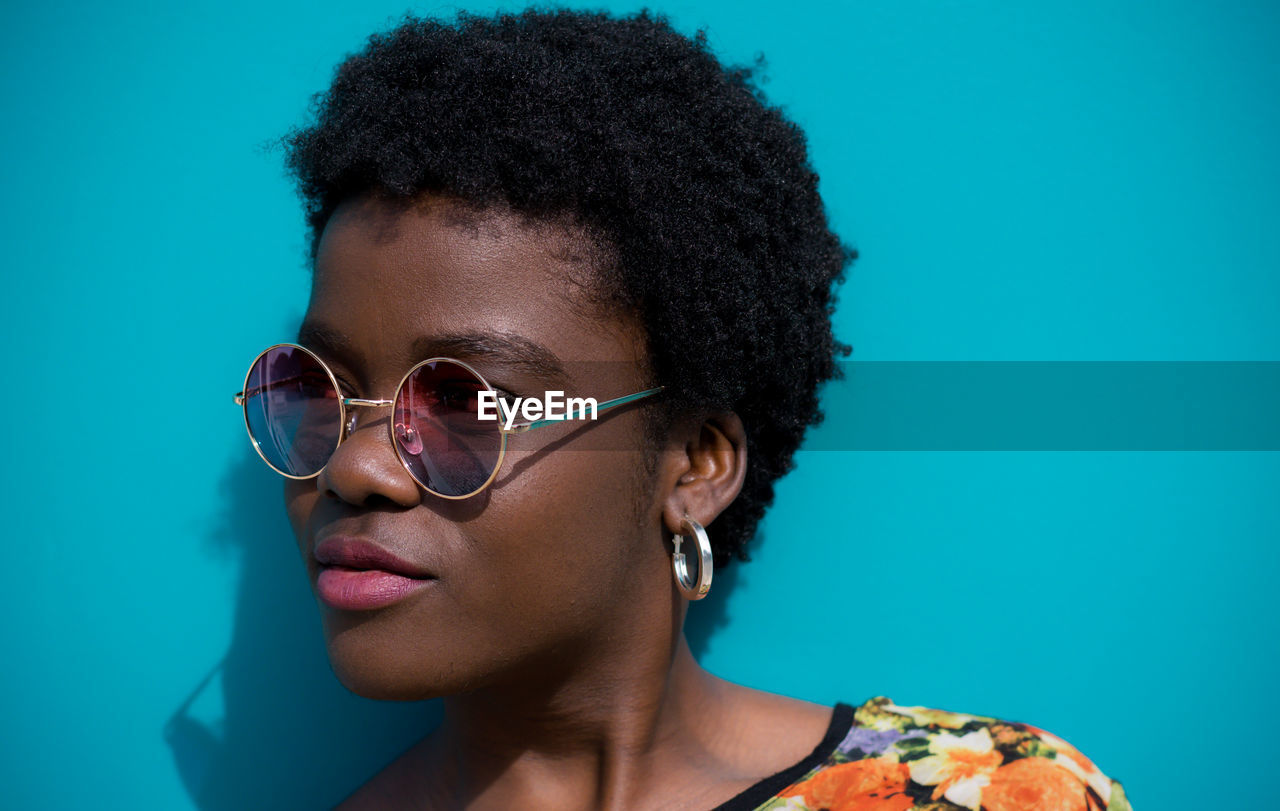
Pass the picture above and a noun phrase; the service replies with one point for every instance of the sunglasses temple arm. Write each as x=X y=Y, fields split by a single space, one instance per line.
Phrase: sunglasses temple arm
x=522 y=427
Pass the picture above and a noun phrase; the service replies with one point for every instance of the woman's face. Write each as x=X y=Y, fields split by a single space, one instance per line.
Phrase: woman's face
x=567 y=540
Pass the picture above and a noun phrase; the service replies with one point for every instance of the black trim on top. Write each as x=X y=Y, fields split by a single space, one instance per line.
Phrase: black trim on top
x=768 y=788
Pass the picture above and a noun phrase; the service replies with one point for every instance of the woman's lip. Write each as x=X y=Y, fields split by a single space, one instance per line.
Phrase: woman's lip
x=364 y=589
x=358 y=575
x=357 y=553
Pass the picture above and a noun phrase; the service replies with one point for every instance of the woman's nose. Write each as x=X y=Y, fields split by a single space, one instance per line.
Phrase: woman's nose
x=365 y=466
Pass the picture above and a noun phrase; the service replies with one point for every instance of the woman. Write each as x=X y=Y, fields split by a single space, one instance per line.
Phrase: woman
x=506 y=209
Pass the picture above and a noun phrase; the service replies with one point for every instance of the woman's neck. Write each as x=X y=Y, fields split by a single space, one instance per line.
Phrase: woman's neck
x=590 y=735
x=624 y=726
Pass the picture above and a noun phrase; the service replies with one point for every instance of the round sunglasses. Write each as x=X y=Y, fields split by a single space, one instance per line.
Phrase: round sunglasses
x=296 y=417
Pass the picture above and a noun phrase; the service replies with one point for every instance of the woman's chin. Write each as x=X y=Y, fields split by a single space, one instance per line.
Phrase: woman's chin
x=393 y=673
x=394 y=682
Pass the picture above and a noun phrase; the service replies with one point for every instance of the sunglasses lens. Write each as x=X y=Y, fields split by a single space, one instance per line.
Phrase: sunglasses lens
x=292 y=410
x=438 y=432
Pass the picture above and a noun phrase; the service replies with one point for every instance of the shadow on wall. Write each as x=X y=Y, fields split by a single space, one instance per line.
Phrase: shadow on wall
x=286 y=733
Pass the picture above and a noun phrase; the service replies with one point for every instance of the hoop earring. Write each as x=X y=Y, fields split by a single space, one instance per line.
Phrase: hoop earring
x=689 y=588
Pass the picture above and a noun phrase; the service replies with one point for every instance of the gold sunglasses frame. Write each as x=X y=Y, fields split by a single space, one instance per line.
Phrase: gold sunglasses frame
x=345 y=402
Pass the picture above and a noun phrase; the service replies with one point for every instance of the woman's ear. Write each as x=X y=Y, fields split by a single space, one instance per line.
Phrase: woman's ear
x=708 y=469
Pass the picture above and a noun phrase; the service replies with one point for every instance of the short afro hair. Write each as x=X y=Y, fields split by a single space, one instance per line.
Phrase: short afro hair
x=678 y=165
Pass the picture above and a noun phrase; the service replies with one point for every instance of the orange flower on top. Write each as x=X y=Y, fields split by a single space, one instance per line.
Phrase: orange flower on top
x=1034 y=784
x=1073 y=761
x=862 y=785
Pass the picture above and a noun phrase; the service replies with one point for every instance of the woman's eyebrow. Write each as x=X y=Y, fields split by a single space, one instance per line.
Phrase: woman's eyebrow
x=503 y=348
x=508 y=349
x=326 y=341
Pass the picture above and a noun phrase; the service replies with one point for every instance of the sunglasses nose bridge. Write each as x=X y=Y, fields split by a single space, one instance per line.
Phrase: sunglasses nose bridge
x=365 y=464
x=353 y=406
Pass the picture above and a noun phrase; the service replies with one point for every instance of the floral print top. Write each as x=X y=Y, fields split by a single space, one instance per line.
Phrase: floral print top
x=883 y=757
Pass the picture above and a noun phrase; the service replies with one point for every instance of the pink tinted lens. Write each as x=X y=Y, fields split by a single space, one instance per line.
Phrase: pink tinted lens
x=438 y=433
x=292 y=410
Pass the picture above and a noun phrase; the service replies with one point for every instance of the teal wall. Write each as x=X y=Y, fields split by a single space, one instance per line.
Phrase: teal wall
x=1078 y=180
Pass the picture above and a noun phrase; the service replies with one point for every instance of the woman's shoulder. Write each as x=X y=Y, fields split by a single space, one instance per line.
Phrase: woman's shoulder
x=895 y=758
